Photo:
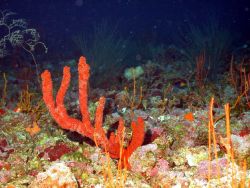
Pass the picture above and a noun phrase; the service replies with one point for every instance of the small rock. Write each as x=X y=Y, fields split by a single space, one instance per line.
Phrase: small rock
x=144 y=158
x=58 y=175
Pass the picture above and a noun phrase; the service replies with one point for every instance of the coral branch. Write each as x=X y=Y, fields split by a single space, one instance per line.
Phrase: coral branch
x=83 y=70
x=84 y=127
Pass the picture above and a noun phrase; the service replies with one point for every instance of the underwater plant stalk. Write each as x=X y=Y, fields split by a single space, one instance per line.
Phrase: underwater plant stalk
x=4 y=94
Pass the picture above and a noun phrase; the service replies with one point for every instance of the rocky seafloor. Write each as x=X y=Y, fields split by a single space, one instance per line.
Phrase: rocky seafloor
x=36 y=152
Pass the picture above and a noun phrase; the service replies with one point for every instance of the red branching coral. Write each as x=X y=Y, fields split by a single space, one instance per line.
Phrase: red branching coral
x=112 y=145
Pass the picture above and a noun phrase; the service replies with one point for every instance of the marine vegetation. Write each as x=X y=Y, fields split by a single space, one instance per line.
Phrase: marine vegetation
x=121 y=99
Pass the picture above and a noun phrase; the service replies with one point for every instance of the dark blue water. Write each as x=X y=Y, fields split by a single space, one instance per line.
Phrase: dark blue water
x=58 y=20
x=138 y=22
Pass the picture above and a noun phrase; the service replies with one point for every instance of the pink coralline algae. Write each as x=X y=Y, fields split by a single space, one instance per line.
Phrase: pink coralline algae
x=203 y=168
x=161 y=168
x=55 y=152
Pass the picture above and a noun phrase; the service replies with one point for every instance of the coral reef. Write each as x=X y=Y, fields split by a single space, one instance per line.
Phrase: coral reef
x=166 y=144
